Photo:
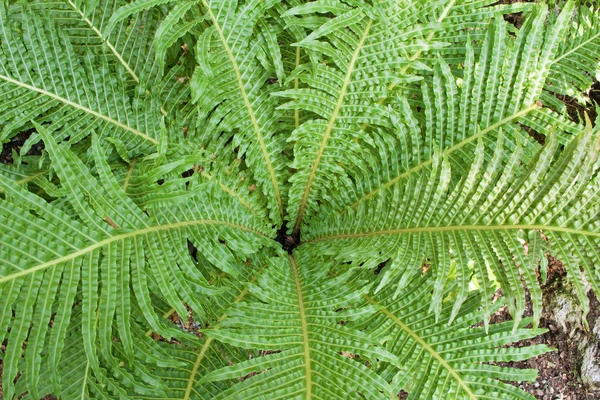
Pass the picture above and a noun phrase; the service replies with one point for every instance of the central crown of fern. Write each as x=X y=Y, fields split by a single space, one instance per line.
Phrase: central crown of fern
x=384 y=144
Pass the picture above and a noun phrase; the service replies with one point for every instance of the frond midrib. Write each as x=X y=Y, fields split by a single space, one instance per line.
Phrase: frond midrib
x=27 y=179
x=329 y=127
x=251 y=114
x=231 y=192
x=424 y=344
x=304 y=325
x=110 y=46
x=296 y=85
x=128 y=176
x=445 y=152
x=105 y=40
x=453 y=228
x=80 y=107
x=123 y=236
x=574 y=49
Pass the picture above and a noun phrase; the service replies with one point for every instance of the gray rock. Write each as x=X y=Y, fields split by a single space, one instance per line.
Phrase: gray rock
x=590 y=371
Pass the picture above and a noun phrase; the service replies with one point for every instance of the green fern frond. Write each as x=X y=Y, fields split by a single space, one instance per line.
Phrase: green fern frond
x=31 y=176
x=295 y=314
x=106 y=250
x=496 y=94
x=448 y=361
x=52 y=83
x=128 y=45
x=482 y=221
x=410 y=157
x=230 y=87
x=358 y=71
x=451 y=168
x=356 y=68
x=578 y=53
x=237 y=112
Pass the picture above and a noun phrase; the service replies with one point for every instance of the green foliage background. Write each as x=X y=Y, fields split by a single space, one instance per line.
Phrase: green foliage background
x=387 y=144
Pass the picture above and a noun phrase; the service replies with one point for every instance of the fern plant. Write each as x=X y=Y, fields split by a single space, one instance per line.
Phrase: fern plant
x=263 y=199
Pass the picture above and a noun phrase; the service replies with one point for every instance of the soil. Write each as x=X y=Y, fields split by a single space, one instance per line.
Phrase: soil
x=560 y=372
x=15 y=144
x=576 y=110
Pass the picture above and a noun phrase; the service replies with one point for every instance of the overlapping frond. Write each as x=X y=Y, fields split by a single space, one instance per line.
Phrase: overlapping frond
x=126 y=45
x=196 y=360
x=448 y=173
x=577 y=62
x=366 y=55
x=74 y=364
x=129 y=44
x=231 y=88
x=162 y=369
x=357 y=66
x=235 y=116
x=106 y=250
x=121 y=375
x=43 y=78
x=142 y=180
x=295 y=315
x=441 y=361
x=205 y=355
x=495 y=94
x=30 y=176
x=496 y=220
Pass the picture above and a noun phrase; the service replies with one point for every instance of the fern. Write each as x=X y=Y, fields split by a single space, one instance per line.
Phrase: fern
x=438 y=361
x=385 y=145
x=579 y=53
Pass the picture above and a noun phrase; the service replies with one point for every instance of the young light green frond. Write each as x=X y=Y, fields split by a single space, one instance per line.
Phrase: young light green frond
x=294 y=314
x=448 y=361
x=479 y=223
x=68 y=92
